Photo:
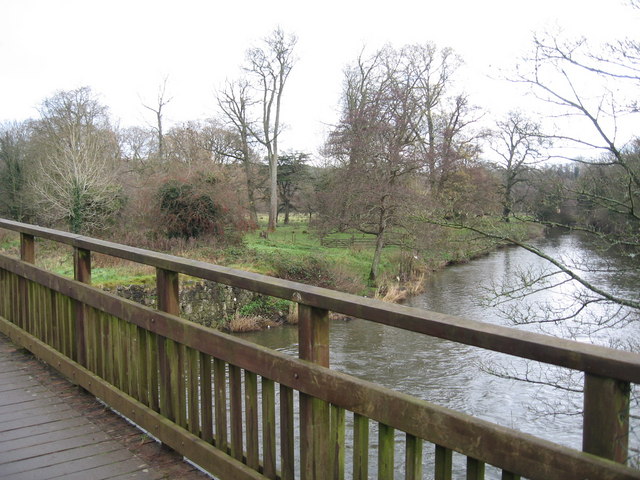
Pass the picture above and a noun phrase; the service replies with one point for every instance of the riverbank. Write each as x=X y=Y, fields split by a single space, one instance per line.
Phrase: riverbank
x=294 y=253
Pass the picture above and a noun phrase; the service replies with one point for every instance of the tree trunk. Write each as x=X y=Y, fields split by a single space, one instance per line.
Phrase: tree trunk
x=273 y=192
x=253 y=214
x=287 y=208
x=160 y=135
x=373 y=275
x=506 y=208
x=382 y=228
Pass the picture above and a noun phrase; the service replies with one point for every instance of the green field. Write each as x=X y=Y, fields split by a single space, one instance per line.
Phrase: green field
x=292 y=252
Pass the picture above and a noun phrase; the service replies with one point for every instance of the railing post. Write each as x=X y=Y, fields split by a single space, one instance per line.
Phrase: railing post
x=167 y=286
x=27 y=254
x=27 y=248
x=606 y=417
x=81 y=273
x=313 y=341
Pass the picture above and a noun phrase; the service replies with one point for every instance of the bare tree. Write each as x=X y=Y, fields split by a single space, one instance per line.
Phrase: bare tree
x=157 y=108
x=596 y=88
x=269 y=67
x=76 y=149
x=519 y=143
x=397 y=121
x=137 y=146
x=590 y=93
x=235 y=102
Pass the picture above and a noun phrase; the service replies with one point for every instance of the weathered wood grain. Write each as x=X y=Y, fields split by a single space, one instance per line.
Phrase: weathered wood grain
x=66 y=433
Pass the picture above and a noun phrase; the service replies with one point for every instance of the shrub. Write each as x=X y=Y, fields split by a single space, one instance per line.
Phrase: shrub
x=188 y=213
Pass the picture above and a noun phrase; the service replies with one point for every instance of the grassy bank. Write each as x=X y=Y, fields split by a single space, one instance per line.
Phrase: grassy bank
x=296 y=253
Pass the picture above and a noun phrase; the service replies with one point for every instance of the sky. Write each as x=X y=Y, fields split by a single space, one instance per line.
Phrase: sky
x=123 y=50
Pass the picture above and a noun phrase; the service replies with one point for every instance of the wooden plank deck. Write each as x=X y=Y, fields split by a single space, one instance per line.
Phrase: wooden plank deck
x=50 y=428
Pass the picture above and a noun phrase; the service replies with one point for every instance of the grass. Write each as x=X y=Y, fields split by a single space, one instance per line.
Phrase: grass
x=293 y=252
x=294 y=246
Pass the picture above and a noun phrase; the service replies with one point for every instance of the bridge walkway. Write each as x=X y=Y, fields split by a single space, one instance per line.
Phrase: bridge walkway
x=50 y=428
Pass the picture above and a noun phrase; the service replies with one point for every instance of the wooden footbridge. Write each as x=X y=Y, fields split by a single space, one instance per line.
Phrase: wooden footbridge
x=241 y=411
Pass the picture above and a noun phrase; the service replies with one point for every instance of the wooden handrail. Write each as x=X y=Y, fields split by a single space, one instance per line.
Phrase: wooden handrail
x=184 y=356
x=602 y=361
x=500 y=446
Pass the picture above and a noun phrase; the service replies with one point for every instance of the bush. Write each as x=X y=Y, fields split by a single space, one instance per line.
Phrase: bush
x=188 y=213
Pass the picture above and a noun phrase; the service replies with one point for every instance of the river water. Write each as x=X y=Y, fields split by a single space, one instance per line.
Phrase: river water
x=472 y=380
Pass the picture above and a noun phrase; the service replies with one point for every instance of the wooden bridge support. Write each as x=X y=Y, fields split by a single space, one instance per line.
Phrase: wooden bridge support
x=606 y=417
x=167 y=288
x=81 y=273
x=313 y=341
x=27 y=254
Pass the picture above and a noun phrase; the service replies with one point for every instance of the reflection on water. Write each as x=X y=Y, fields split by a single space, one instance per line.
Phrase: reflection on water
x=454 y=375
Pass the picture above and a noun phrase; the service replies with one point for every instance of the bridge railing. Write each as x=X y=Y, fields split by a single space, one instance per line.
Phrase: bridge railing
x=243 y=411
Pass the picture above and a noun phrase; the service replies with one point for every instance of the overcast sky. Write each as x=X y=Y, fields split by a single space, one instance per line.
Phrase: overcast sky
x=124 y=49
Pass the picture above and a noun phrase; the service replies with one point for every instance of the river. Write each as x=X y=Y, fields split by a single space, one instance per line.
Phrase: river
x=464 y=378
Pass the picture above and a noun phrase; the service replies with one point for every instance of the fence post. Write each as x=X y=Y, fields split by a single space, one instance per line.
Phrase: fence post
x=167 y=287
x=27 y=254
x=27 y=248
x=313 y=341
x=606 y=417
x=81 y=273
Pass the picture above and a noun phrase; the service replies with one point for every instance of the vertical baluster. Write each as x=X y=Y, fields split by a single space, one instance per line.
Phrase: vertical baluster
x=206 y=398
x=606 y=417
x=153 y=378
x=49 y=314
x=172 y=367
x=360 y=447
x=15 y=300
x=386 y=449
x=475 y=469
x=133 y=366
x=32 y=309
x=164 y=378
x=142 y=358
x=220 y=394
x=116 y=348
x=509 y=476
x=287 y=453
x=313 y=334
x=194 y=382
x=125 y=368
x=413 y=458
x=54 y=320
x=105 y=332
x=96 y=341
x=70 y=318
x=89 y=337
x=179 y=389
x=46 y=323
x=251 y=415
x=107 y=348
x=27 y=254
x=4 y=293
x=444 y=463
x=235 y=391
x=41 y=300
x=337 y=441
x=268 y=428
